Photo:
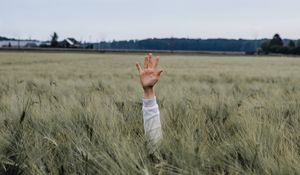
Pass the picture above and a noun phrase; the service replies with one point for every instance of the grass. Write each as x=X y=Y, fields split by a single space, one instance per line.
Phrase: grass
x=81 y=114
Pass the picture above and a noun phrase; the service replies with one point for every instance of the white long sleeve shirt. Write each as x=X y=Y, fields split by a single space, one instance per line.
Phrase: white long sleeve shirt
x=152 y=125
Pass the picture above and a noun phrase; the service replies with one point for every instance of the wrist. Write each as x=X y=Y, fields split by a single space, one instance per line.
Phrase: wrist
x=149 y=93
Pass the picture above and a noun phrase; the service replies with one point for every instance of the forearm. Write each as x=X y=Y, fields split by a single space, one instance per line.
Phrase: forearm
x=152 y=125
x=149 y=76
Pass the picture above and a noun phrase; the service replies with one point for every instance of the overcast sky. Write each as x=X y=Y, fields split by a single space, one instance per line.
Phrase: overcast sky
x=99 y=20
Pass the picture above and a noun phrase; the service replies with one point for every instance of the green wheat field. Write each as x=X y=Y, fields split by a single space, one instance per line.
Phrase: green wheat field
x=63 y=113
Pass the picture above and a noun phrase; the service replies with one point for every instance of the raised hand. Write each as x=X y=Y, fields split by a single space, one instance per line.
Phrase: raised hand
x=149 y=75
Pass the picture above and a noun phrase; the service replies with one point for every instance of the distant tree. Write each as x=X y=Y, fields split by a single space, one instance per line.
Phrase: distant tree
x=89 y=46
x=298 y=43
x=276 y=45
x=276 y=41
x=54 y=40
x=265 y=46
x=292 y=44
x=296 y=50
x=291 y=47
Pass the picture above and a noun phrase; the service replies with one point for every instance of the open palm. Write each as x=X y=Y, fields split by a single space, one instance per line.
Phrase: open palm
x=150 y=74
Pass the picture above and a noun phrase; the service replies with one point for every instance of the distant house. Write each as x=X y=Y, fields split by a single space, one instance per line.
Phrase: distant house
x=69 y=43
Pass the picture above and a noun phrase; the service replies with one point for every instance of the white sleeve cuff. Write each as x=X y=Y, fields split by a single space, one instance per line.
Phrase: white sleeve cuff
x=149 y=102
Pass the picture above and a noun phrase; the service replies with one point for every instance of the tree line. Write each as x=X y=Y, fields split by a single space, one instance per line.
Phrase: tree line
x=278 y=46
x=184 y=44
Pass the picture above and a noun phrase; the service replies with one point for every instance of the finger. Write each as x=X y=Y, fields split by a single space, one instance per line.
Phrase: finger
x=156 y=62
x=138 y=67
x=145 y=63
x=150 y=60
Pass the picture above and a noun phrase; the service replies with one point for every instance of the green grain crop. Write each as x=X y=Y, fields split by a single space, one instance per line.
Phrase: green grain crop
x=66 y=113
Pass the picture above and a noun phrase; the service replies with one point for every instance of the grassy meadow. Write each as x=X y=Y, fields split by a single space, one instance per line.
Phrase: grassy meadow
x=63 y=113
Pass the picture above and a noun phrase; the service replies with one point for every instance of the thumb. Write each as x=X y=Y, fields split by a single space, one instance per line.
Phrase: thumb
x=160 y=71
